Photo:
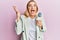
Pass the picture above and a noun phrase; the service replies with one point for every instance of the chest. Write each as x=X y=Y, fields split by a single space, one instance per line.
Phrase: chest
x=30 y=24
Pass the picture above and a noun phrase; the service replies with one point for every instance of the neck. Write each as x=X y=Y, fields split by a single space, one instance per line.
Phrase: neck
x=32 y=17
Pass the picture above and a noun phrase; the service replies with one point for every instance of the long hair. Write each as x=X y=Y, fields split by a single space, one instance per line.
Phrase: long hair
x=26 y=13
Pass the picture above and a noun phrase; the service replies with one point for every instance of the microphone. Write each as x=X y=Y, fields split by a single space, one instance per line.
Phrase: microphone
x=39 y=16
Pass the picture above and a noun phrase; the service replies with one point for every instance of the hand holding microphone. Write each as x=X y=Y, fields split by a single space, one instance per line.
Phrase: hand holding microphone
x=39 y=20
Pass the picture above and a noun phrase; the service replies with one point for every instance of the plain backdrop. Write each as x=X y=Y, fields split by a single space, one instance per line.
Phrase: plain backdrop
x=50 y=9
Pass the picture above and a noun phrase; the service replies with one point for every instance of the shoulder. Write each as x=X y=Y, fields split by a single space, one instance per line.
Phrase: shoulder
x=23 y=17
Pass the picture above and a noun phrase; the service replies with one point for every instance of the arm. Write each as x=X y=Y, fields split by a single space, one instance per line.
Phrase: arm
x=18 y=26
x=43 y=27
x=17 y=13
x=41 y=24
x=18 y=21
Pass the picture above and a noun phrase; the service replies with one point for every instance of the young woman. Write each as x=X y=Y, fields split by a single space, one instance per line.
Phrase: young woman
x=27 y=24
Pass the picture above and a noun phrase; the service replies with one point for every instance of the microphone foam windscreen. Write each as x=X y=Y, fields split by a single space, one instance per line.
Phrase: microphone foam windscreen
x=39 y=14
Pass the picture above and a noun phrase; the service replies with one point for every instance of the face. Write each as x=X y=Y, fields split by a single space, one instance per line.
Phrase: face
x=32 y=8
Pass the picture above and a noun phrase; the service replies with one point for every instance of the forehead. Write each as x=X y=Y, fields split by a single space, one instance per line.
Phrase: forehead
x=32 y=3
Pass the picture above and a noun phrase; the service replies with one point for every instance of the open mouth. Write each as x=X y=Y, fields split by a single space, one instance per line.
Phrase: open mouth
x=32 y=10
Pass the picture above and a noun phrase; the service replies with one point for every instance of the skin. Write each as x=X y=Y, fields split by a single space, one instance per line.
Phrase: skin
x=32 y=9
x=17 y=13
x=32 y=13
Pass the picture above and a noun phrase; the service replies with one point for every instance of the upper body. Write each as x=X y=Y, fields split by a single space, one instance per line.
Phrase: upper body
x=27 y=23
x=28 y=28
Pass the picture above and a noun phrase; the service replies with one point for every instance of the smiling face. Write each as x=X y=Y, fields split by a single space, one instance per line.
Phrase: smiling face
x=32 y=8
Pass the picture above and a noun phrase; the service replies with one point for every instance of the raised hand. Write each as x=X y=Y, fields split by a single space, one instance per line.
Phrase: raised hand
x=17 y=12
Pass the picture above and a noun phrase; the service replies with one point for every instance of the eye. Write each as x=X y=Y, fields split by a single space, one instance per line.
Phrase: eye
x=29 y=5
x=34 y=4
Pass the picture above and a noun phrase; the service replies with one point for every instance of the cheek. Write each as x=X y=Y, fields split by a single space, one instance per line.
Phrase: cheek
x=29 y=9
x=35 y=9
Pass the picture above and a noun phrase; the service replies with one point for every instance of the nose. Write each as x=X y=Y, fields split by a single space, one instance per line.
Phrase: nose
x=32 y=7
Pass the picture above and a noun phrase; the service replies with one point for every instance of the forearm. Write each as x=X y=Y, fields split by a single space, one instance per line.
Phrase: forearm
x=43 y=26
x=17 y=16
x=18 y=26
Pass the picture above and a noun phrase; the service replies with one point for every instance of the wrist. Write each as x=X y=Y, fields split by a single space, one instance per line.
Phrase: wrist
x=41 y=26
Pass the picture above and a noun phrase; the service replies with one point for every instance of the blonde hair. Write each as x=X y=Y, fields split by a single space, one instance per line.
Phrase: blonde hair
x=26 y=13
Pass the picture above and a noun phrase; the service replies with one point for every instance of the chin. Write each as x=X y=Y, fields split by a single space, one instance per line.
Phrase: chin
x=32 y=14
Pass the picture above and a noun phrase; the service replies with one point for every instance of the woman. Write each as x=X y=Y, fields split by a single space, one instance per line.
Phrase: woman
x=27 y=24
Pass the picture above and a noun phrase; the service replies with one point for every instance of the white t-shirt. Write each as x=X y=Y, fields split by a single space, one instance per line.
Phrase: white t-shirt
x=32 y=29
